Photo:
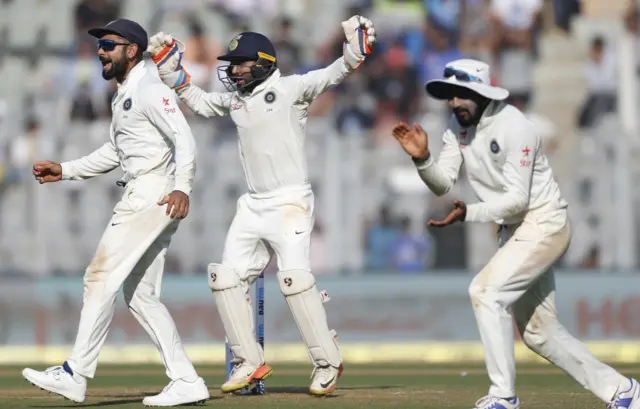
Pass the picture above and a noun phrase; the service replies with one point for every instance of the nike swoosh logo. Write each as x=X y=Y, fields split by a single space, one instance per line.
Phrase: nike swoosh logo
x=115 y=224
x=326 y=385
x=299 y=232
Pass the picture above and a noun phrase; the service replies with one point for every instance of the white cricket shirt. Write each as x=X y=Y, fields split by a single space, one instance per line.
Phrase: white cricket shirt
x=148 y=135
x=506 y=167
x=270 y=122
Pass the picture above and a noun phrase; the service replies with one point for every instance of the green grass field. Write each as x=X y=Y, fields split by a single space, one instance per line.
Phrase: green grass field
x=361 y=386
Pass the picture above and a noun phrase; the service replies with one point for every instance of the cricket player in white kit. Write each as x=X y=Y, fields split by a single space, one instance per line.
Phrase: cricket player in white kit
x=277 y=213
x=152 y=142
x=515 y=184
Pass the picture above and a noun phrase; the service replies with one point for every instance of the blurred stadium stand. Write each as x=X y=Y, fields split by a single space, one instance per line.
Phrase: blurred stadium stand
x=371 y=206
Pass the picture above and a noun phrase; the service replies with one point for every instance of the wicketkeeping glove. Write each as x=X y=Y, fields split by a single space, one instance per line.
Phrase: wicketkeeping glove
x=361 y=36
x=166 y=53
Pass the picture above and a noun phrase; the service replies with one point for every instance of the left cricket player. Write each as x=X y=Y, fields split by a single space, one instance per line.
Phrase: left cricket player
x=513 y=180
x=152 y=142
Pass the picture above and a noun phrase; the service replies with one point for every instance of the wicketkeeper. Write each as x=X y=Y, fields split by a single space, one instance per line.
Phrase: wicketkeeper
x=277 y=214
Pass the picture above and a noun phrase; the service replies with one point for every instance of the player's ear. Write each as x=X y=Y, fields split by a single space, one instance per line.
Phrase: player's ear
x=132 y=51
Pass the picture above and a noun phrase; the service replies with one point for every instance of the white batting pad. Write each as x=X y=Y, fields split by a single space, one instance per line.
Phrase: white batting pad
x=236 y=314
x=305 y=302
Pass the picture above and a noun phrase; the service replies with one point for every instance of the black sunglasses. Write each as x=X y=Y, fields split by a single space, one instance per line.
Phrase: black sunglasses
x=109 y=45
x=460 y=75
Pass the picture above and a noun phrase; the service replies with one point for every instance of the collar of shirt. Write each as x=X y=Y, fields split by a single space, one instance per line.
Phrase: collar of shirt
x=489 y=114
x=133 y=77
x=257 y=90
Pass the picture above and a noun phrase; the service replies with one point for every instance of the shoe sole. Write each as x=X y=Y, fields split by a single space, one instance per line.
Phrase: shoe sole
x=42 y=388
x=194 y=403
x=260 y=374
x=325 y=392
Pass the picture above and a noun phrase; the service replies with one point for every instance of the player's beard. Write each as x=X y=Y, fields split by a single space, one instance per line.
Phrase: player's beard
x=466 y=117
x=117 y=69
x=469 y=113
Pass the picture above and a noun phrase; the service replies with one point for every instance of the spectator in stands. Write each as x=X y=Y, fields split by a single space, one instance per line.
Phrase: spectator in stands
x=631 y=25
x=379 y=241
x=288 y=49
x=515 y=26
x=441 y=34
x=199 y=58
x=602 y=81
x=393 y=84
x=82 y=108
x=564 y=11
x=80 y=78
x=95 y=13
x=26 y=148
x=355 y=109
x=450 y=244
x=411 y=253
x=475 y=31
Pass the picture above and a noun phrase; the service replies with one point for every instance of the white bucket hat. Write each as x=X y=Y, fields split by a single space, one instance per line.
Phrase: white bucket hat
x=466 y=73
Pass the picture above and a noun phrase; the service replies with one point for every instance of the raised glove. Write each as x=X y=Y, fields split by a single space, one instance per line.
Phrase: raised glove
x=166 y=53
x=361 y=36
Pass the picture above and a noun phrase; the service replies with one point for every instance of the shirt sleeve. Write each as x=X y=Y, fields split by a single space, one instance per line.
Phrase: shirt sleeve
x=521 y=148
x=203 y=103
x=315 y=82
x=440 y=176
x=101 y=161
x=161 y=108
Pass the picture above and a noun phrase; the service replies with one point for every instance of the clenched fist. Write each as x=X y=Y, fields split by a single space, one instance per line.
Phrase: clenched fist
x=414 y=141
x=46 y=171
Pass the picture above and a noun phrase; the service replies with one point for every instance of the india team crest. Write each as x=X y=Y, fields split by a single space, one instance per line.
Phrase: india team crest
x=495 y=148
x=269 y=97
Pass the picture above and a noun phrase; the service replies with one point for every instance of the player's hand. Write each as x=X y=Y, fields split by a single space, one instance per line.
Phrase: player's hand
x=46 y=171
x=361 y=36
x=166 y=53
x=414 y=141
x=459 y=213
x=177 y=204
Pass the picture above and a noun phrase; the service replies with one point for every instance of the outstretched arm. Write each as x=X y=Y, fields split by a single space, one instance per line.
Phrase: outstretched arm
x=360 y=38
x=205 y=103
x=167 y=55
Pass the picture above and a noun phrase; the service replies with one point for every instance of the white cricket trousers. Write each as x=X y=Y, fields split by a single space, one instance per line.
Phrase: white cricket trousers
x=520 y=277
x=280 y=221
x=131 y=255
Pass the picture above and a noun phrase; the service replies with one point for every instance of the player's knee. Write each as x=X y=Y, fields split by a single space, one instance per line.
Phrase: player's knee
x=481 y=294
x=536 y=333
x=478 y=292
x=534 y=339
x=97 y=287
x=295 y=281
x=222 y=277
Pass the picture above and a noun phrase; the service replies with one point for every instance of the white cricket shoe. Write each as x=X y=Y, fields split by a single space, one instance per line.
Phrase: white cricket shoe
x=627 y=399
x=180 y=393
x=325 y=379
x=492 y=402
x=243 y=375
x=58 y=381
